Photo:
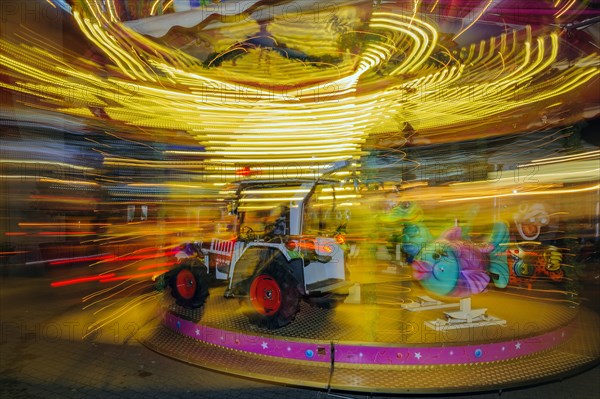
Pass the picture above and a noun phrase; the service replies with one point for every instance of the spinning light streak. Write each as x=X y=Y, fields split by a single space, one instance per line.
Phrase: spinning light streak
x=404 y=74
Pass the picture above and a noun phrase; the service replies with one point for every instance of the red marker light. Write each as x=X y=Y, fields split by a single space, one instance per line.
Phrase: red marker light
x=327 y=248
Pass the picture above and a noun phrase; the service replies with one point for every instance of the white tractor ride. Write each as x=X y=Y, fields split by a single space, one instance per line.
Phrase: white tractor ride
x=289 y=245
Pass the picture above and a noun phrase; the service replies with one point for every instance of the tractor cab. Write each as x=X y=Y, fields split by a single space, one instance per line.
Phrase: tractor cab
x=299 y=219
x=267 y=210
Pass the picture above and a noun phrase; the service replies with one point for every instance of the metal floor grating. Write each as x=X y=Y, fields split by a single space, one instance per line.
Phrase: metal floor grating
x=582 y=350
x=384 y=323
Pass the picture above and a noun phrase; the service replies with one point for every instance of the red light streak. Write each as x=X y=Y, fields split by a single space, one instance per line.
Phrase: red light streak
x=14 y=234
x=130 y=276
x=65 y=233
x=138 y=257
x=80 y=280
x=63 y=224
x=81 y=259
x=114 y=258
x=306 y=245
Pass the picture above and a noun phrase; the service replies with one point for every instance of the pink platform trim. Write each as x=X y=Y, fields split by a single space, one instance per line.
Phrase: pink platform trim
x=368 y=353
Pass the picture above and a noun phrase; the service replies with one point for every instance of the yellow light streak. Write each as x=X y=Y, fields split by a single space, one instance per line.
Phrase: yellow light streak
x=434 y=5
x=153 y=8
x=280 y=199
x=62 y=164
x=525 y=194
x=343 y=196
x=277 y=191
x=62 y=181
x=239 y=119
x=474 y=20
x=582 y=155
x=564 y=9
x=255 y=208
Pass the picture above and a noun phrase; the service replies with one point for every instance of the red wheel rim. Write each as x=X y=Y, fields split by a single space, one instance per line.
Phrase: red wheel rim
x=265 y=295
x=186 y=284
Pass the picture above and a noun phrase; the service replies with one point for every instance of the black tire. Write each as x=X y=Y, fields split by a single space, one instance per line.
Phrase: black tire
x=273 y=299
x=189 y=284
x=327 y=301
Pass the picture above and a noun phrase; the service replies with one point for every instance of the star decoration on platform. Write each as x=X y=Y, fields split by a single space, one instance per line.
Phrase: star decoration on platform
x=518 y=345
x=418 y=355
x=265 y=345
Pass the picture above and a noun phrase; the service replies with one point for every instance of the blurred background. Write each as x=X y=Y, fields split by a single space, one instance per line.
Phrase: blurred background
x=125 y=125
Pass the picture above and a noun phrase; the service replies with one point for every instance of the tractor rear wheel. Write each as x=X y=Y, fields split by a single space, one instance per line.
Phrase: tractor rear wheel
x=273 y=298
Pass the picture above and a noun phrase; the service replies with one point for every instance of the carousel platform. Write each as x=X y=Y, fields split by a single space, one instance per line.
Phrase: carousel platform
x=381 y=345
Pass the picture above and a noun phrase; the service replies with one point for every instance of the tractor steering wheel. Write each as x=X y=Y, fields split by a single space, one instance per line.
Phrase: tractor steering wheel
x=247 y=234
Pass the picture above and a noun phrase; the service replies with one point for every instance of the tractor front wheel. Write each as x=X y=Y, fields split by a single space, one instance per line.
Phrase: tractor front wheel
x=189 y=286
